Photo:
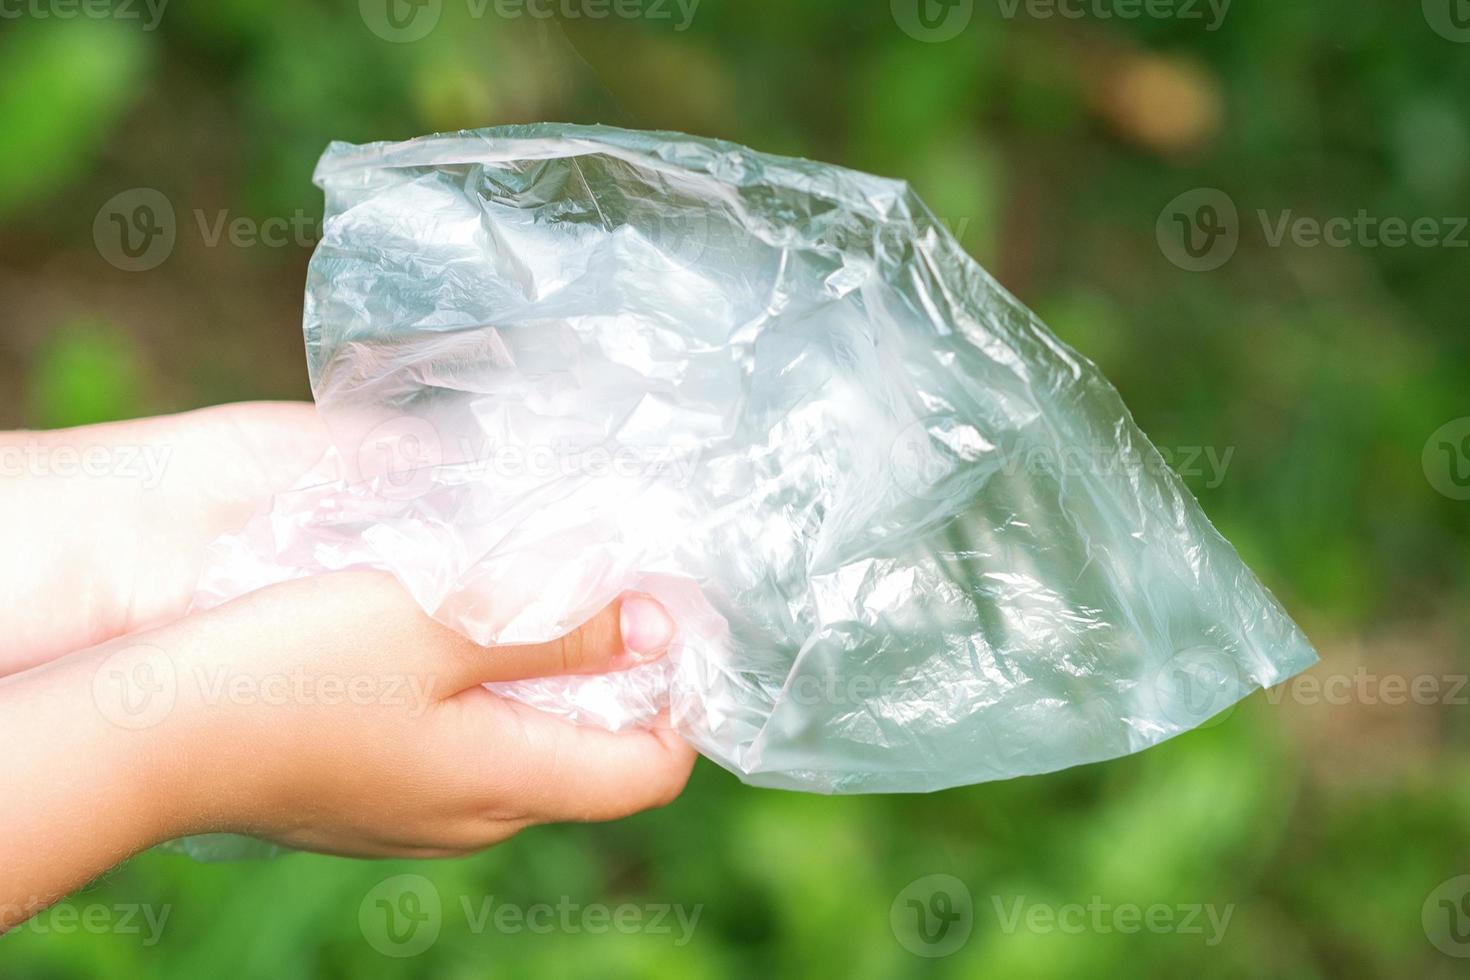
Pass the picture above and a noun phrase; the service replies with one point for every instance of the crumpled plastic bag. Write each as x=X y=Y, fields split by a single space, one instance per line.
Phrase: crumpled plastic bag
x=910 y=538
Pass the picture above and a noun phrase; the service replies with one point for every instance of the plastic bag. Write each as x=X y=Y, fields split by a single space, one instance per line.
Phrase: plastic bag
x=911 y=539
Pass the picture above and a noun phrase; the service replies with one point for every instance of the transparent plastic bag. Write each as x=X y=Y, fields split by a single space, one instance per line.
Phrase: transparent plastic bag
x=911 y=539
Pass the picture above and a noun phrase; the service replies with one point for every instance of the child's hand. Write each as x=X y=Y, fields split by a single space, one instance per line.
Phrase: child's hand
x=328 y=714
x=332 y=714
x=105 y=526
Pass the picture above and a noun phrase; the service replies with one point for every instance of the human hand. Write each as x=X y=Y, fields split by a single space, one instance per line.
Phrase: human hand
x=331 y=714
x=106 y=525
x=328 y=713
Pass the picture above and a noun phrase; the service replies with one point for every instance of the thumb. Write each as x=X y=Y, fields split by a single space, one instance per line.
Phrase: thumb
x=630 y=631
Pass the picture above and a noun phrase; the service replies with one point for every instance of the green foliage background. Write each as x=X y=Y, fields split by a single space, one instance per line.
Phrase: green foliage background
x=1050 y=145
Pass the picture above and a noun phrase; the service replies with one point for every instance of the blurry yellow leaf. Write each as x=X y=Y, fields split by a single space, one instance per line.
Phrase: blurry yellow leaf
x=1167 y=105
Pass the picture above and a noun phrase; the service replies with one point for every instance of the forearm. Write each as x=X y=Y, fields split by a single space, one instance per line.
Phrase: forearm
x=114 y=519
x=79 y=792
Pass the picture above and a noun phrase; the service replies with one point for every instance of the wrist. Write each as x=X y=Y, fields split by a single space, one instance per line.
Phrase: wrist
x=98 y=785
x=212 y=764
x=144 y=737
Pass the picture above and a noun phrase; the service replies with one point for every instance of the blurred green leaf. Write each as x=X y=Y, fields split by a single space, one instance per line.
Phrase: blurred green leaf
x=88 y=371
x=64 y=85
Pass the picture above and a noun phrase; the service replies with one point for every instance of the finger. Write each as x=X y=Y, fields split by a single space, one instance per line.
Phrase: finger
x=372 y=616
x=634 y=629
x=114 y=519
x=561 y=771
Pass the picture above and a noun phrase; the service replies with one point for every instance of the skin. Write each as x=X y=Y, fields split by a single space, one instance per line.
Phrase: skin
x=328 y=714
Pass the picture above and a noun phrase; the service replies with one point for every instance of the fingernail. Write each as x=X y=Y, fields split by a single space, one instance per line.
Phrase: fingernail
x=646 y=627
